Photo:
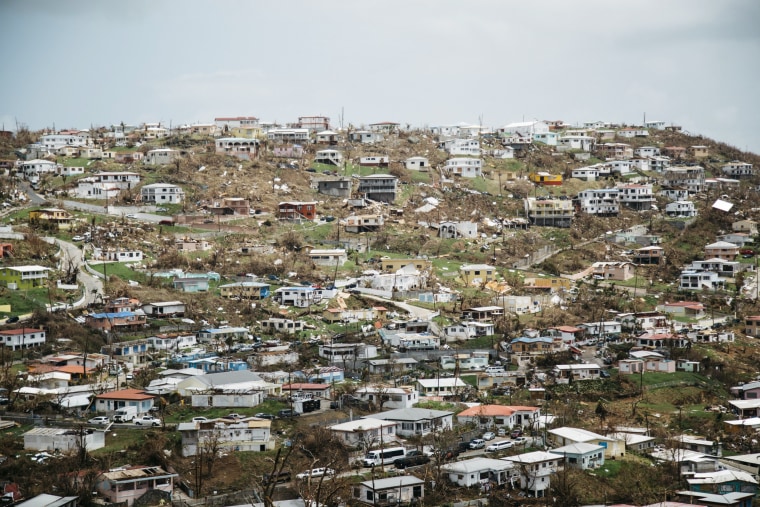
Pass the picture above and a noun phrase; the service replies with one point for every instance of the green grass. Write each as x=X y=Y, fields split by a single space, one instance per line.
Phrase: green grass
x=119 y=439
x=653 y=378
x=25 y=301
x=119 y=269
x=609 y=469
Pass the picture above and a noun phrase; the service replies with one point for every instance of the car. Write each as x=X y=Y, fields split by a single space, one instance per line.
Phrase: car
x=604 y=373
x=516 y=433
x=315 y=472
x=489 y=435
x=77 y=238
x=411 y=460
x=41 y=457
x=264 y=415
x=208 y=221
x=501 y=432
x=521 y=440
x=166 y=222
x=477 y=443
x=499 y=446
x=148 y=420
x=131 y=215
x=129 y=377
x=101 y=419
x=162 y=210
x=233 y=415
x=12 y=319
x=283 y=476
x=287 y=413
x=200 y=419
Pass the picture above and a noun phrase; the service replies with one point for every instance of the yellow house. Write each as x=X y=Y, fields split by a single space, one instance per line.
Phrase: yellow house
x=60 y=217
x=396 y=264
x=553 y=283
x=476 y=274
x=544 y=178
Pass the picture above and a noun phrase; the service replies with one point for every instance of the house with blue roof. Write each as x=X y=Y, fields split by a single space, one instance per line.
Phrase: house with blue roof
x=116 y=320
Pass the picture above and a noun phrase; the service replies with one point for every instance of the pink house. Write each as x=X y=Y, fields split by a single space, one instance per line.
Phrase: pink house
x=722 y=250
x=614 y=270
x=130 y=484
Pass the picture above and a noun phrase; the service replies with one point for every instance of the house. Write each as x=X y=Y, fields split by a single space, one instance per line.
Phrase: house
x=243 y=149
x=467 y=147
x=245 y=290
x=391 y=366
x=288 y=135
x=67 y=440
x=722 y=250
x=477 y=274
x=405 y=489
x=297 y=210
x=110 y=402
x=161 y=156
x=635 y=441
x=366 y=430
x=649 y=255
x=33 y=169
x=619 y=271
x=524 y=128
x=458 y=229
x=700 y=280
x=287 y=326
x=565 y=436
x=480 y=471
x=552 y=284
x=330 y=258
x=535 y=470
x=306 y=390
x=538 y=345
x=231 y=383
x=53 y=142
x=41 y=500
x=724 y=269
x=116 y=255
x=636 y=196
x=378 y=187
x=417 y=163
x=52 y=217
x=713 y=499
x=723 y=482
x=698 y=151
x=745 y=408
x=365 y=137
x=603 y=202
x=614 y=151
x=544 y=178
x=222 y=334
x=364 y=223
x=164 y=308
x=680 y=209
x=692 y=178
x=417 y=422
x=232 y=434
x=448 y=386
x=465 y=167
x=192 y=245
x=740 y=239
x=393 y=265
x=549 y=212
x=231 y=206
x=738 y=170
x=329 y=157
x=491 y=417
x=22 y=338
x=128 y=485
x=657 y=340
x=347 y=352
x=748 y=391
x=191 y=284
x=519 y=305
x=602 y=328
x=109 y=321
x=582 y=455
x=346 y=316
x=327 y=137
x=647 y=151
x=340 y=187
x=392 y=397
x=313 y=123
x=565 y=373
x=576 y=142
x=375 y=161
x=162 y=193
x=302 y=297
x=752 y=325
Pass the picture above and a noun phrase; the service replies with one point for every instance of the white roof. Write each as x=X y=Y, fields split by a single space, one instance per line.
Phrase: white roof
x=577 y=434
x=750 y=421
x=393 y=482
x=579 y=448
x=471 y=267
x=443 y=382
x=362 y=425
x=721 y=477
x=632 y=438
x=477 y=465
x=533 y=457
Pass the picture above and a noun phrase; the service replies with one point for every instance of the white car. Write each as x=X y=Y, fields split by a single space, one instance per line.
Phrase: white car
x=77 y=238
x=199 y=419
x=131 y=215
x=147 y=420
x=499 y=446
x=315 y=472
x=489 y=435
x=101 y=419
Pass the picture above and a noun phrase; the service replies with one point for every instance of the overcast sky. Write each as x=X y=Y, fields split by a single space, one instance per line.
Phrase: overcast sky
x=694 y=63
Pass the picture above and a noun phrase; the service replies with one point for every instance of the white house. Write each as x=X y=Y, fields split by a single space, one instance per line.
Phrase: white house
x=329 y=157
x=53 y=142
x=441 y=386
x=22 y=338
x=366 y=430
x=417 y=163
x=393 y=397
x=466 y=147
x=279 y=325
x=417 y=421
x=480 y=471
x=34 y=168
x=582 y=143
x=330 y=258
x=700 y=280
x=162 y=193
x=524 y=128
x=62 y=440
x=601 y=202
x=458 y=229
x=535 y=470
x=244 y=149
x=647 y=151
x=246 y=434
x=680 y=209
x=161 y=156
x=738 y=170
x=164 y=308
x=466 y=167
x=402 y=490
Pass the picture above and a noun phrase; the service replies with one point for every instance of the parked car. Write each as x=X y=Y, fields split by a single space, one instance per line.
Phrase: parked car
x=131 y=215
x=516 y=433
x=199 y=419
x=499 y=446
x=233 y=415
x=129 y=377
x=315 y=472
x=148 y=420
x=521 y=440
x=411 y=460
x=286 y=413
x=477 y=443
x=264 y=415
x=77 y=238
x=489 y=435
x=101 y=419
x=283 y=476
x=12 y=319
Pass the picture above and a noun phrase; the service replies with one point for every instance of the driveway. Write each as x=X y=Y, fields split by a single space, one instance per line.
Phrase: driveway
x=92 y=285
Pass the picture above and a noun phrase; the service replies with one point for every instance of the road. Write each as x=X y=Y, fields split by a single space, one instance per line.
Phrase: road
x=415 y=311
x=92 y=285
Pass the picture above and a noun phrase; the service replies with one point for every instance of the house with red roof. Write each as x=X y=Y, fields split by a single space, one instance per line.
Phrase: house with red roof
x=658 y=340
x=22 y=338
x=112 y=401
x=499 y=416
x=686 y=308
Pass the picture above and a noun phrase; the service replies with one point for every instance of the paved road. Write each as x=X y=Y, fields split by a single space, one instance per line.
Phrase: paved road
x=414 y=311
x=92 y=284
x=140 y=212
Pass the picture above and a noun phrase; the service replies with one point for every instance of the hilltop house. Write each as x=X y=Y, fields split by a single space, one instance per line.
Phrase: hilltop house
x=162 y=193
x=465 y=167
x=477 y=274
x=125 y=486
x=535 y=470
x=417 y=163
x=244 y=149
x=22 y=338
x=297 y=210
x=378 y=187
x=110 y=402
x=567 y=436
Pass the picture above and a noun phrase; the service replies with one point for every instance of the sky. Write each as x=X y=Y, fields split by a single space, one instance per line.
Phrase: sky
x=82 y=63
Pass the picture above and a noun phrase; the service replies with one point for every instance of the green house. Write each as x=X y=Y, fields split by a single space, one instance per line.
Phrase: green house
x=23 y=277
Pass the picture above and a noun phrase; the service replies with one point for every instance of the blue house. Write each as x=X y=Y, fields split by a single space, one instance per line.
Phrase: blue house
x=723 y=482
x=191 y=284
x=326 y=374
x=216 y=364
